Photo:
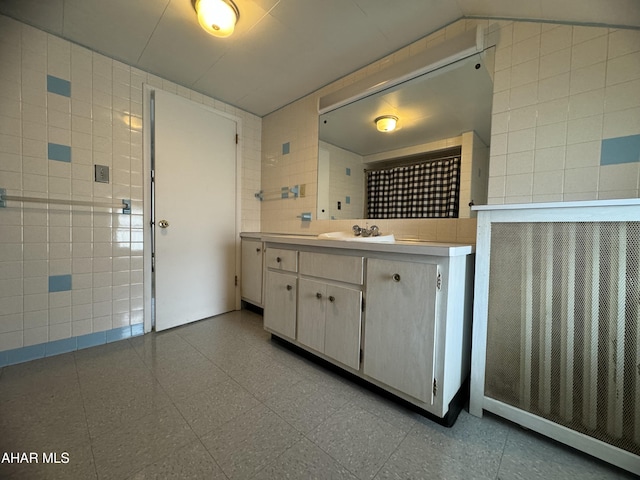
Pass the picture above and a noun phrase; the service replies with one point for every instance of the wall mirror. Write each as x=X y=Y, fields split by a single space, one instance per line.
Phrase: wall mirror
x=431 y=109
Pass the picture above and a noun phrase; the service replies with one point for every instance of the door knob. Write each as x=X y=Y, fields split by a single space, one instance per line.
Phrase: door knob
x=163 y=224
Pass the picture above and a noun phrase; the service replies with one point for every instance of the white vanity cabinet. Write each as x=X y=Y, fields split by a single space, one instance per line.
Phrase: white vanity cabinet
x=330 y=305
x=402 y=299
x=252 y=270
x=281 y=292
x=397 y=315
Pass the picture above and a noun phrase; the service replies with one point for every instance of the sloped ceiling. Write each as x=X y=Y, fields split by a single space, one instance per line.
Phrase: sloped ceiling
x=282 y=49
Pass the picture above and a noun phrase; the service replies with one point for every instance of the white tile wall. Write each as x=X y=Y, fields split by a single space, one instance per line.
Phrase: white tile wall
x=102 y=122
x=587 y=89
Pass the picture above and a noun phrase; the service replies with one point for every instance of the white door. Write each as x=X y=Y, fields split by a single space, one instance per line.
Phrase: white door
x=194 y=212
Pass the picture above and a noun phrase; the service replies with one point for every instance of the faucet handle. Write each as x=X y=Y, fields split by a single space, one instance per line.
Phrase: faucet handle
x=356 y=230
x=375 y=231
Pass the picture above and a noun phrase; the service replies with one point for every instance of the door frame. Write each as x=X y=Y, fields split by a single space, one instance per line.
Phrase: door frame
x=148 y=275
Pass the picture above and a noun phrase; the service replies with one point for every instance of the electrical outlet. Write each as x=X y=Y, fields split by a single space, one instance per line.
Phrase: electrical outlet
x=101 y=173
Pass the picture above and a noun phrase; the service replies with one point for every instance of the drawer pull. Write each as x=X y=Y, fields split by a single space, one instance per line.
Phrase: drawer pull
x=332 y=298
x=278 y=259
x=318 y=295
x=289 y=287
x=396 y=277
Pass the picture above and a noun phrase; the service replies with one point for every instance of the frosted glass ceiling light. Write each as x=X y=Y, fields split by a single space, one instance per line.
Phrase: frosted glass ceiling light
x=217 y=17
x=386 y=123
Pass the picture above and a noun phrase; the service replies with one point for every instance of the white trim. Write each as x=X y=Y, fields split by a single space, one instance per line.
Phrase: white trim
x=580 y=441
x=460 y=47
x=619 y=202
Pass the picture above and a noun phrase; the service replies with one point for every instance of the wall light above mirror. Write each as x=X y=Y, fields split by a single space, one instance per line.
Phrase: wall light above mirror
x=444 y=102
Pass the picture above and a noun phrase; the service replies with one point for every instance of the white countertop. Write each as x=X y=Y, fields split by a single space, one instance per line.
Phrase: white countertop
x=399 y=246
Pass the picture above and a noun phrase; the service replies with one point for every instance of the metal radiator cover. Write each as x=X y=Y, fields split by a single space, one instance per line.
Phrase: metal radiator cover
x=563 y=340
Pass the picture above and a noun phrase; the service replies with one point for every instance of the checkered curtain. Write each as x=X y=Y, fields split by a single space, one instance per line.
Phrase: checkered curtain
x=423 y=190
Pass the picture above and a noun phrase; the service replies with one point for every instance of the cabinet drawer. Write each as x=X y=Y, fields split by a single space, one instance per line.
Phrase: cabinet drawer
x=281 y=259
x=333 y=267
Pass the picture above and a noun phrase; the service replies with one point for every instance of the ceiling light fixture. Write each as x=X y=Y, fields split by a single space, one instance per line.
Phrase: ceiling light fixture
x=386 y=123
x=217 y=17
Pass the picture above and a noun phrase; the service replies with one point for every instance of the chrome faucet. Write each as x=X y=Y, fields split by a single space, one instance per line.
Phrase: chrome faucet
x=374 y=231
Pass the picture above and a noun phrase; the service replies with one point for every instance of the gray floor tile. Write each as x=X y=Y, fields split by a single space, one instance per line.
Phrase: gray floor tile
x=304 y=460
x=305 y=405
x=390 y=411
x=123 y=405
x=120 y=453
x=243 y=446
x=135 y=409
x=46 y=421
x=264 y=377
x=47 y=374
x=359 y=440
x=215 y=406
x=529 y=456
x=471 y=440
x=416 y=458
x=185 y=379
x=189 y=462
x=79 y=464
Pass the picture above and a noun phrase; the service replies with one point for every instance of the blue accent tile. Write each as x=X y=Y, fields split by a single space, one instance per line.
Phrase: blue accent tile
x=60 y=346
x=347 y=200
x=285 y=148
x=59 y=283
x=56 y=347
x=61 y=153
x=348 y=172
x=25 y=354
x=284 y=192
x=58 y=86
x=137 y=329
x=92 y=340
x=118 y=334
x=620 y=150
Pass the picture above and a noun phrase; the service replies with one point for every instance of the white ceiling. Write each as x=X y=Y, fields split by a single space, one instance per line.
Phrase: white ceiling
x=282 y=49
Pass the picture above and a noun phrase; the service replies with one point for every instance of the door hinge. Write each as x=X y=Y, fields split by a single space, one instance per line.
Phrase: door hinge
x=439 y=281
x=435 y=387
x=361 y=355
x=362 y=304
x=236 y=280
x=236 y=138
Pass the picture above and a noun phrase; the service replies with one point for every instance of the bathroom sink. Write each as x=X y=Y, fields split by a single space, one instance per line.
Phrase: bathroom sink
x=350 y=237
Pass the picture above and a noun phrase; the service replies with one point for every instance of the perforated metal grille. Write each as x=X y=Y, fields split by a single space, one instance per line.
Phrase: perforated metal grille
x=563 y=341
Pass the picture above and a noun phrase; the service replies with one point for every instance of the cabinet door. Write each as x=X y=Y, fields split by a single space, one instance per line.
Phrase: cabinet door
x=311 y=313
x=280 y=303
x=343 y=325
x=400 y=324
x=252 y=271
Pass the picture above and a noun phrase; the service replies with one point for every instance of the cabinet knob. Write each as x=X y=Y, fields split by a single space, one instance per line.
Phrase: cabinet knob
x=289 y=287
x=278 y=259
x=332 y=298
x=258 y=249
x=318 y=295
x=396 y=277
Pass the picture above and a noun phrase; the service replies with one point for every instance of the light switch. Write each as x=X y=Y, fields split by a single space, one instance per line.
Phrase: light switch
x=102 y=173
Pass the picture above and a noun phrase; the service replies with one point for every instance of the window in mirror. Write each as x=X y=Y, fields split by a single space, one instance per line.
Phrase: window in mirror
x=424 y=187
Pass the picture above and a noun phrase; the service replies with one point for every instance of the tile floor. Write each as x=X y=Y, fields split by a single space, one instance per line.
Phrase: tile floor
x=218 y=399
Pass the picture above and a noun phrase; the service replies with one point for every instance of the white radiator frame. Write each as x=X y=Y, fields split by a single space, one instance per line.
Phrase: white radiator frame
x=587 y=211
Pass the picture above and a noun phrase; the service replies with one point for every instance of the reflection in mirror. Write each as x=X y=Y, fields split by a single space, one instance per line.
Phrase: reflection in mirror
x=448 y=107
